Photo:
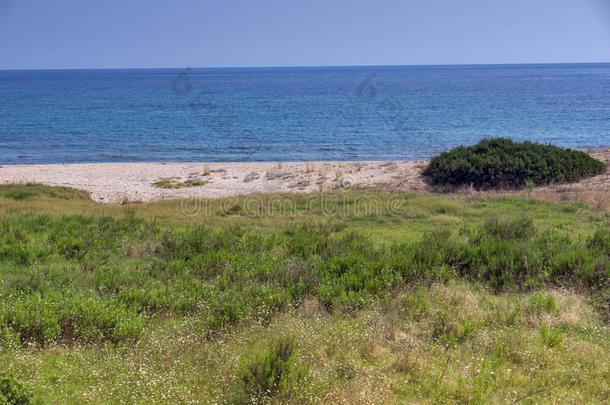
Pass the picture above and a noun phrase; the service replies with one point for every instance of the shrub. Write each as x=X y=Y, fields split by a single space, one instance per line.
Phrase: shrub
x=601 y=241
x=9 y=339
x=226 y=309
x=12 y=392
x=43 y=320
x=76 y=279
x=500 y=162
x=501 y=255
x=272 y=372
x=518 y=229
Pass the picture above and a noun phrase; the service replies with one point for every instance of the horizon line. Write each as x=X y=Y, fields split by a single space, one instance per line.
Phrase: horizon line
x=309 y=66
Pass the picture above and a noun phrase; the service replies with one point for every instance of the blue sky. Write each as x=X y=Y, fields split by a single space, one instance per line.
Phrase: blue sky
x=200 y=33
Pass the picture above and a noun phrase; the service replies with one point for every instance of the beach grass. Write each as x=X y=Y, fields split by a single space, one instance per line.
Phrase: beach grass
x=342 y=297
x=173 y=183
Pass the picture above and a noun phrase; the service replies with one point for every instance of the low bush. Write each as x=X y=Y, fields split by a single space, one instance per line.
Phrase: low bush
x=519 y=229
x=12 y=392
x=500 y=162
x=274 y=372
x=601 y=241
x=69 y=317
x=502 y=255
x=94 y=279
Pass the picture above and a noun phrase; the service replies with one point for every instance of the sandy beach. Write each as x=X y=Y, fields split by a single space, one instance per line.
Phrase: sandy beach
x=117 y=183
x=130 y=182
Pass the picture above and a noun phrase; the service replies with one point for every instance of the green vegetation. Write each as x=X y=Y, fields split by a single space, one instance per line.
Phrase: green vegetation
x=342 y=297
x=28 y=191
x=272 y=373
x=500 y=162
x=12 y=392
x=172 y=182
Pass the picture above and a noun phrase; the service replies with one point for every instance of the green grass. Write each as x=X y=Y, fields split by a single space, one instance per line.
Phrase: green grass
x=172 y=183
x=29 y=191
x=349 y=296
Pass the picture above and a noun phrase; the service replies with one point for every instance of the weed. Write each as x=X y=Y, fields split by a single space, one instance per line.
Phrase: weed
x=274 y=372
x=550 y=337
x=543 y=303
x=417 y=304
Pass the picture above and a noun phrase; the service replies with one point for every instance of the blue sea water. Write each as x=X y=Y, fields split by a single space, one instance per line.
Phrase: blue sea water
x=304 y=114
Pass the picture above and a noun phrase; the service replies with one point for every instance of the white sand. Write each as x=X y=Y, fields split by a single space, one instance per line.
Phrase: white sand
x=129 y=182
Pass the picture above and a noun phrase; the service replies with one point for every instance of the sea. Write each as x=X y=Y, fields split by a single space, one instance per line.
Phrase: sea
x=295 y=113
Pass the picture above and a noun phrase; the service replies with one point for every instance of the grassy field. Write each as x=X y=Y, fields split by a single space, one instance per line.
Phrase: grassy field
x=347 y=297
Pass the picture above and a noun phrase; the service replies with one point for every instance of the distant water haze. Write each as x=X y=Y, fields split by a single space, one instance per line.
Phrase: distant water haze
x=295 y=114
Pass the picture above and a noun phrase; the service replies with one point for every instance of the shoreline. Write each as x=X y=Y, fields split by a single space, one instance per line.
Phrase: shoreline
x=115 y=183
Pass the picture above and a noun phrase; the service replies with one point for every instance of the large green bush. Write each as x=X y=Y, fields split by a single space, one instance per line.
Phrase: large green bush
x=500 y=162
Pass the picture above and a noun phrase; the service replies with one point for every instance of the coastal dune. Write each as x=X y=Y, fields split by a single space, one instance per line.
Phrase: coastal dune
x=117 y=183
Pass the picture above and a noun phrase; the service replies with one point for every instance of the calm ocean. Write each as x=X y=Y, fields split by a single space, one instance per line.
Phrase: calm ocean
x=285 y=114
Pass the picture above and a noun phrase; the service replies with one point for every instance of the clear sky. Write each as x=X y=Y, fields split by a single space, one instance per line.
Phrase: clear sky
x=38 y=34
